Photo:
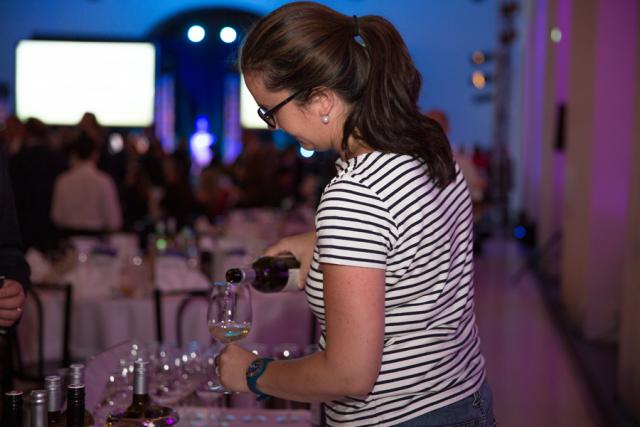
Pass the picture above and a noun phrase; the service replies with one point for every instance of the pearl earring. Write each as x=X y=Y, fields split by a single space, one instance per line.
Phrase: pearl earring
x=325 y=119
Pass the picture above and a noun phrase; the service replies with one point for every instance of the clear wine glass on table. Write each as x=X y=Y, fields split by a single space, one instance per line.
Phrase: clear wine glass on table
x=228 y=316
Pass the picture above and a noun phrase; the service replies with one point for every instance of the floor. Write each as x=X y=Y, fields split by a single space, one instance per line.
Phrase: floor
x=533 y=377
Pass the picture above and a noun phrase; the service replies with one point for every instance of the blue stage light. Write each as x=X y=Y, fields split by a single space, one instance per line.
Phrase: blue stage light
x=306 y=153
x=228 y=35
x=196 y=33
x=519 y=232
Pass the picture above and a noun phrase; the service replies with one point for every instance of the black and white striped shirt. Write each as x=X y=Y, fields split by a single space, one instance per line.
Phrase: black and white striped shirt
x=382 y=211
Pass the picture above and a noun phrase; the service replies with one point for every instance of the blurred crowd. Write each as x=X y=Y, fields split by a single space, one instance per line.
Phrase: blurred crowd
x=88 y=180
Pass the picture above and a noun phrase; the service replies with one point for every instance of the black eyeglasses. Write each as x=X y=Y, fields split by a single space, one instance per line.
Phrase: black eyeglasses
x=269 y=115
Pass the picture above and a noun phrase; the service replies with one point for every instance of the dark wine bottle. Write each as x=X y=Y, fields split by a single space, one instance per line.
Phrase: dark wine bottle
x=38 y=408
x=53 y=385
x=141 y=407
x=76 y=377
x=75 y=406
x=269 y=274
x=12 y=413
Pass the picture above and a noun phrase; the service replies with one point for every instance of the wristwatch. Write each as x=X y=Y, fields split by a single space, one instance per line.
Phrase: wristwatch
x=254 y=371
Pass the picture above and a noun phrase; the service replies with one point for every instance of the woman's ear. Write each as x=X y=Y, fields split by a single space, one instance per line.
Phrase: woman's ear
x=323 y=102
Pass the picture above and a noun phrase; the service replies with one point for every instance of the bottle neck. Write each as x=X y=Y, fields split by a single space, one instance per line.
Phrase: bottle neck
x=13 y=409
x=239 y=275
x=140 y=381
x=38 y=415
x=54 y=400
x=75 y=405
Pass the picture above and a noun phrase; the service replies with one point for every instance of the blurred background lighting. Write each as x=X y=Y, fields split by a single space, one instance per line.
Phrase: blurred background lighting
x=556 y=35
x=478 y=79
x=201 y=142
x=306 y=153
x=519 y=232
x=116 y=143
x=228 y=35
x=196 y=34
x=478 y=57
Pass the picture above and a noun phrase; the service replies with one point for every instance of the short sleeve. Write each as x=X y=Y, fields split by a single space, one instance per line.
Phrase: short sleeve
x=353 y=226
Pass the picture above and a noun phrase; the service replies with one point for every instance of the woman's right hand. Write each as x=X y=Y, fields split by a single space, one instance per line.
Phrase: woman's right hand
x=301 y=246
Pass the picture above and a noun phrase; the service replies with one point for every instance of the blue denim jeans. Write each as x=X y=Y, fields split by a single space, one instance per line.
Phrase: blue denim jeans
x=473 y=411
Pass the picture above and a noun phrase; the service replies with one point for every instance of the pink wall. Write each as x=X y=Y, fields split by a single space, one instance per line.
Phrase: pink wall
x=612 y=124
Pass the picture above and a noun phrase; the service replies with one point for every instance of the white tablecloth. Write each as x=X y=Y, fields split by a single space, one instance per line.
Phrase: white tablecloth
x=100 y=323
x=100 y=319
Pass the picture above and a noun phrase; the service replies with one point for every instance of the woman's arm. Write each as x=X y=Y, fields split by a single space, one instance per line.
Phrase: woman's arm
x=354 y=310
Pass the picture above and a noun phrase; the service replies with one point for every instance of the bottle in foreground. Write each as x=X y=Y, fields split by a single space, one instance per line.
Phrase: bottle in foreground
x=76 y=378
x=269 y=274
x=38 y=408
x=53 y=385
x=142 y=411
x=75 y=406
x=12 y=413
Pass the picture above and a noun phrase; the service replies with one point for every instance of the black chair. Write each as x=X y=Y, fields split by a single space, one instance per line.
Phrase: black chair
x=37 y=371
x=188 y=297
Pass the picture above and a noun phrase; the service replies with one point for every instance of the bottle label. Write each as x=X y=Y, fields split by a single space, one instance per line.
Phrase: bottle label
x=293 y=282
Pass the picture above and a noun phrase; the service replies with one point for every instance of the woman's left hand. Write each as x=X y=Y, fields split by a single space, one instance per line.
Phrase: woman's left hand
x=232 y=363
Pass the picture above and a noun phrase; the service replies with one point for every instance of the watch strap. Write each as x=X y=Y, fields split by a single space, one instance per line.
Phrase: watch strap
x=254 y=371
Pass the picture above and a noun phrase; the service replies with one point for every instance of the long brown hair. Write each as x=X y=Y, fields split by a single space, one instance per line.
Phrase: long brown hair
x=304 y=46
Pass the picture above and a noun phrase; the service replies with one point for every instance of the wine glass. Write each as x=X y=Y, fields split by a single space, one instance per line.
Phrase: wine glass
x=228 y=316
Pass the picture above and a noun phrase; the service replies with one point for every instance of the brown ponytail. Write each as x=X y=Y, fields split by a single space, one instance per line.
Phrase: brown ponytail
x=302 y=46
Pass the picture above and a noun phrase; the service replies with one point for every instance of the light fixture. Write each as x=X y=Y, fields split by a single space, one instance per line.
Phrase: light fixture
x=479 y=57
x=196 y=34
x=228 y=35
x=479 y=79
x=556 y=35
x=306 y=153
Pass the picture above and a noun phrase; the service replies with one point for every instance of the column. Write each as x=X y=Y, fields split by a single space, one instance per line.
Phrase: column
x=598 y=162
x=629 y=351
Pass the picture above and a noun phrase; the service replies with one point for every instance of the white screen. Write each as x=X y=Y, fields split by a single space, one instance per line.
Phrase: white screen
x=58 y=81
x=249 y=109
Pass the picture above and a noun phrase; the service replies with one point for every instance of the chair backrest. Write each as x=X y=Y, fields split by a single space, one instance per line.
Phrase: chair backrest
x=35 y=294
x=187 y=297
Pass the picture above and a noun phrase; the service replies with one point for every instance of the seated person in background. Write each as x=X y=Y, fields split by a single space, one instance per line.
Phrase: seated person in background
x=215 y=193
x=85 y=200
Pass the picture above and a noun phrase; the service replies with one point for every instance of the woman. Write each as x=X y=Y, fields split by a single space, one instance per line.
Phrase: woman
x=390 y=263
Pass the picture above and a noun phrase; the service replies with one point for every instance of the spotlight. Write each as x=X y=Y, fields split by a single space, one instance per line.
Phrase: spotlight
x=116 y=143
x=556 y=35
x=479 y=79
x=196 y=34
x=520 y=232
x=479 y=57
x=306 y=153
x=228 y=35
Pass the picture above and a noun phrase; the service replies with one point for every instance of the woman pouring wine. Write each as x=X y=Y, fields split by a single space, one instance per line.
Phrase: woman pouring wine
x=390 y=269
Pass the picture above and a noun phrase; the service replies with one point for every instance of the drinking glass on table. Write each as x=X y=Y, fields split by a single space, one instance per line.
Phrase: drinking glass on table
x=228 y=316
